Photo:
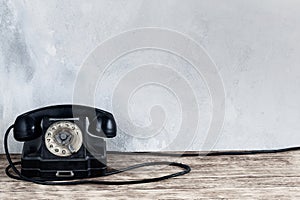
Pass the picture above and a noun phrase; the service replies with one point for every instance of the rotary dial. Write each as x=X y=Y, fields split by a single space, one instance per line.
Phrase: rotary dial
x=63 y=138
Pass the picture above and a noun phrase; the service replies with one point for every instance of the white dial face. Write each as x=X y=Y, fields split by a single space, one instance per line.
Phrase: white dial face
x=63 y=138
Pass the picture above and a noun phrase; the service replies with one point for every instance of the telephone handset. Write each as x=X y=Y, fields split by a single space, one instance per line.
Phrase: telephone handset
x=65 y=142
x=27 y=125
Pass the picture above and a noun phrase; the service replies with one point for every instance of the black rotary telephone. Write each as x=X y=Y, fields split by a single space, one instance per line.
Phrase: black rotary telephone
x=66 y=142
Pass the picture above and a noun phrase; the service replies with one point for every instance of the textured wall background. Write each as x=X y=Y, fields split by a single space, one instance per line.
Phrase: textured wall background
x=254 y=44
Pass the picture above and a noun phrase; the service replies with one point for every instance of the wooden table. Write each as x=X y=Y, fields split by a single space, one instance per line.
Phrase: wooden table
x=264 y=176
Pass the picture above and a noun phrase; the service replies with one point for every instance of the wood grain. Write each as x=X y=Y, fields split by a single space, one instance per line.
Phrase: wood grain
x=265 y=176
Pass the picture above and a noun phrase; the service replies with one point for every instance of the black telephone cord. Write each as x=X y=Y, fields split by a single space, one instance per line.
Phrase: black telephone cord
x=211 y=153
x=19 y=176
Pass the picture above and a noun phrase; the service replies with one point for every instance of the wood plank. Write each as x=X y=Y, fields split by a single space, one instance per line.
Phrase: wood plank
x=264 y=176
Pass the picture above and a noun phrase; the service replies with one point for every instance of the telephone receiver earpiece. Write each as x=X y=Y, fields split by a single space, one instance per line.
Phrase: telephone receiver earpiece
x=25 y=129
x=27 y=126
x=100 y=125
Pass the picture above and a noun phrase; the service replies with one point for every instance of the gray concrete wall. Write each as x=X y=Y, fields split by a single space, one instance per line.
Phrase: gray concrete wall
x=254 y=46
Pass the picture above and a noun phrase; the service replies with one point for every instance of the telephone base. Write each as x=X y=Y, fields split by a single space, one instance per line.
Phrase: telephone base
x=37 y=162
x=62 y=169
